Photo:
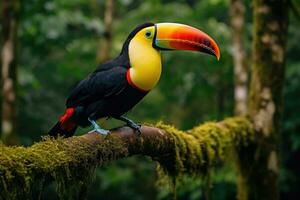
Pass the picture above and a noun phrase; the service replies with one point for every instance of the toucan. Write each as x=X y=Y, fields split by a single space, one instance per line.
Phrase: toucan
x=118 y=85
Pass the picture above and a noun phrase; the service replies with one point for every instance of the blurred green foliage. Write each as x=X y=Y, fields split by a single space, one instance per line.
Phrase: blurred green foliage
x=58 y=41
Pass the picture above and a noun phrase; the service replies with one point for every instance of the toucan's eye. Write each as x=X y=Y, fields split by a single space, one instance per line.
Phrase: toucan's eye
x=148 y=34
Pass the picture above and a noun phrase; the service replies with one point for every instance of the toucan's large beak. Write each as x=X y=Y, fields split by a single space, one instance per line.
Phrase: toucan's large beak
x=173 y=36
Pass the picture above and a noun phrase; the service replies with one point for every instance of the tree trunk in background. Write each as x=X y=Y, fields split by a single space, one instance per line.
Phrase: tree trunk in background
x=8 y=59
x=106 y=42
x=259 y=165
x=237 y=12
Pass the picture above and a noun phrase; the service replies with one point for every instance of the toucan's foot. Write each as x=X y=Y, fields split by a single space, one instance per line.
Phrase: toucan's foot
x=100 y=131
x=136 y=127
x=97 y=128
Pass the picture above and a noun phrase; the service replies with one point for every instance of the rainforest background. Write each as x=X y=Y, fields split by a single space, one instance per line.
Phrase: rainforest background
x=59 y=42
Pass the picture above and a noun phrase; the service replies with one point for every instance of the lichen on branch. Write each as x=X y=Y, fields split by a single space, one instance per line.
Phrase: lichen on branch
x=24 y=171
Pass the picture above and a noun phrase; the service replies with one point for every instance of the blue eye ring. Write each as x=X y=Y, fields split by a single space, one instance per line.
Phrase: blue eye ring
x=148 y=34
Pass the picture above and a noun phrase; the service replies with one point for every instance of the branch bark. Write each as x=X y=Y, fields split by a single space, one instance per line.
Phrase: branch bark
x=25 y=171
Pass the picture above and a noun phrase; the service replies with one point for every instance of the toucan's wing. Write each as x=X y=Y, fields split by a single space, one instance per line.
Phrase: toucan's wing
x=99 y=85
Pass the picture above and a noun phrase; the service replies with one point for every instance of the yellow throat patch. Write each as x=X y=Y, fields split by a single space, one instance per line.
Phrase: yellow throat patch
x=145 y=60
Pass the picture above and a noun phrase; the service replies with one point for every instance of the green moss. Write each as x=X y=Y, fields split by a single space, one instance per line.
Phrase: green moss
x=24 y=172
x=70 y=162
x=198 y=149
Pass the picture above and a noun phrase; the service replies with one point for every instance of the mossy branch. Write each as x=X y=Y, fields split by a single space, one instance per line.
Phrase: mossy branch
x=25 y=171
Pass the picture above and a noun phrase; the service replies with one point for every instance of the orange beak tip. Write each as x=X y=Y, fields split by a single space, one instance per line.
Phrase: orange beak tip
x=218 y=54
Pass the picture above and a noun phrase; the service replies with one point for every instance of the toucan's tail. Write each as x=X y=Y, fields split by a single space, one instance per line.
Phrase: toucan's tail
x=65 y=126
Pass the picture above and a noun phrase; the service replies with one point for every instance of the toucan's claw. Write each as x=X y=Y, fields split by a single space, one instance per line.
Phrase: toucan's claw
x=100 y=131
x=136 y=127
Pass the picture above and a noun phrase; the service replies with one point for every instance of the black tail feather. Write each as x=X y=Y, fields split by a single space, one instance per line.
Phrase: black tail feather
x=57 y=130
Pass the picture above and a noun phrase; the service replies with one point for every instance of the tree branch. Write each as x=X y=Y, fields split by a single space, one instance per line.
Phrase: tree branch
x=25 y=171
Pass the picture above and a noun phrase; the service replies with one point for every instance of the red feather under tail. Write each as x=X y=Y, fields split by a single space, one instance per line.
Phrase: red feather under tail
x=65 y=126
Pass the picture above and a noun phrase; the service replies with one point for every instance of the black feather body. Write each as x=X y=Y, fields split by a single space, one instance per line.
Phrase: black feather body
x=112 y=106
